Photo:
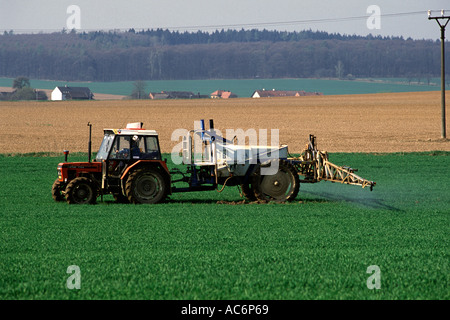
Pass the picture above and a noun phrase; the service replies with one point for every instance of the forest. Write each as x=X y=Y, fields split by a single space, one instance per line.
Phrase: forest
x=225 y=54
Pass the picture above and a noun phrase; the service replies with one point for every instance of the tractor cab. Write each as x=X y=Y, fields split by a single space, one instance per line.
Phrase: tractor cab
x=128 y=145
x=121 y=148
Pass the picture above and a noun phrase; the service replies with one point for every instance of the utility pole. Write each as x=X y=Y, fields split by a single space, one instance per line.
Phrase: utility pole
x=442 y=24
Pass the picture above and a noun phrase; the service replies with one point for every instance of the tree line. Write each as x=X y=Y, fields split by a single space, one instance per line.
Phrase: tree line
x=232 y=54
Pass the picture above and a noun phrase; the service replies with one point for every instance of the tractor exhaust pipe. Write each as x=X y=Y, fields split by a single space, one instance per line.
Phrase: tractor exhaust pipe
x=66 y=154
x=90 y=141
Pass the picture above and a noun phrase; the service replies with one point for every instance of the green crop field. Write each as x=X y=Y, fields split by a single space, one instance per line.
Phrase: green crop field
x=317 y=247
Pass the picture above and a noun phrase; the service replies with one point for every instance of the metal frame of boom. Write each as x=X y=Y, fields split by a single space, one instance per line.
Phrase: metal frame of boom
x=314 y=166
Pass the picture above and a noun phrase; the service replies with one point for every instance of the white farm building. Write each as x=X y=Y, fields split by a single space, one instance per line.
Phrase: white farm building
x=70 y=93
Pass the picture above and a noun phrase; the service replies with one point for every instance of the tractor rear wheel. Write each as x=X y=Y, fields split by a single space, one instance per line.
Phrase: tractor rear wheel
x=57 y=190
x=81 y=190
x=146 y=185
x=281 y=186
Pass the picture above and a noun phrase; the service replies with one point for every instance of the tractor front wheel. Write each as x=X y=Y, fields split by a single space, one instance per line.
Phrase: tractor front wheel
x=57 y=190
x=146 y=185
x=81 y=190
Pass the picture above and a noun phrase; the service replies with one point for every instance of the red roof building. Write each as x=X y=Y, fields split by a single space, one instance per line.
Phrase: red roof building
x=223 y=94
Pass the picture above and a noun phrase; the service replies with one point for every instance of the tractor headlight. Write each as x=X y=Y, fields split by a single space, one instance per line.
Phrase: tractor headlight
x=59 y=171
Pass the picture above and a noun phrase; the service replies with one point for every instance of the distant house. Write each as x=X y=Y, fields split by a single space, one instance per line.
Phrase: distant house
x=6 y=95
x=72 y=93
x=282 y=93
x=223 y=94
x=158 y=95
x=175 y=95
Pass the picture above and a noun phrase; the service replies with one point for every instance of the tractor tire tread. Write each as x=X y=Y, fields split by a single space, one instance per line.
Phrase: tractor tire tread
x=57 y=190
x=72 y=184
x=130 y=184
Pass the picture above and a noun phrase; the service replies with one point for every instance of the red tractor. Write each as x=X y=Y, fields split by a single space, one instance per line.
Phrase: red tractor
x=128 y=165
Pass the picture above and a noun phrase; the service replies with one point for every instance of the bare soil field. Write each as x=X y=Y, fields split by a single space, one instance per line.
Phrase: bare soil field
x=391 y=122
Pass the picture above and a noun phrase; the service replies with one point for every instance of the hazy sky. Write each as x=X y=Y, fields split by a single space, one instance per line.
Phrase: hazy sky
x=345 y=17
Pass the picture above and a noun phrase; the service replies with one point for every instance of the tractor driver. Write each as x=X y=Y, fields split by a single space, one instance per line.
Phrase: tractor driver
x=135 y=150
x=124 y=152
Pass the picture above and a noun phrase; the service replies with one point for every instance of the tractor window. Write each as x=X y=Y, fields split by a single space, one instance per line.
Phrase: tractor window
x=121 y=148
x=152 y=148
x=102 y=153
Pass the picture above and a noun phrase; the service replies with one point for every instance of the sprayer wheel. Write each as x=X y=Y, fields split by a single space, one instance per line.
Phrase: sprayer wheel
x=281 y=186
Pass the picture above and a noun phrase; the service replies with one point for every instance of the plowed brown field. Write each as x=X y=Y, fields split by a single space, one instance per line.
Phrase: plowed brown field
x=393 y=122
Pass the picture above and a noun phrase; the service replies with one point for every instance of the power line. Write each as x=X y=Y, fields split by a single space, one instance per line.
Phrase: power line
x=296 y=22
x=240 y=25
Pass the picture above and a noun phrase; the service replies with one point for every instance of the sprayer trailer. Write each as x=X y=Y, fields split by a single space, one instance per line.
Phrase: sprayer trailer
x=129 y=166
